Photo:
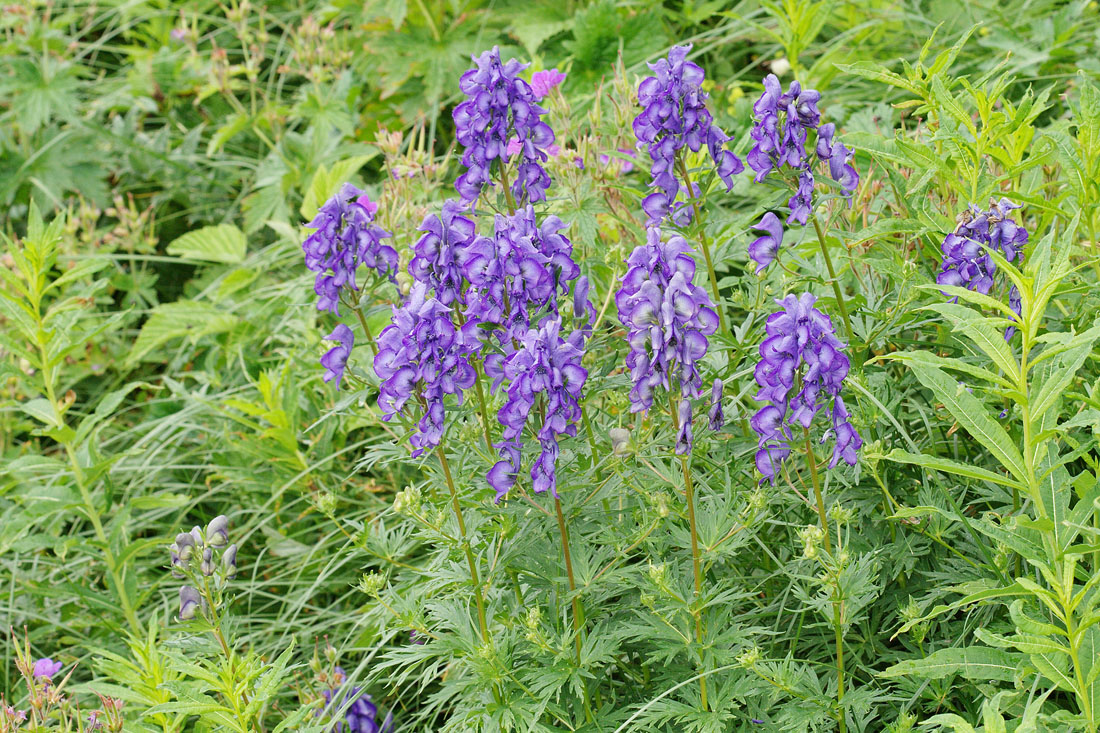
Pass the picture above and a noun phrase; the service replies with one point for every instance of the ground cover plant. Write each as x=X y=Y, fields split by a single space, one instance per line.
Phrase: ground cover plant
x=550 y=367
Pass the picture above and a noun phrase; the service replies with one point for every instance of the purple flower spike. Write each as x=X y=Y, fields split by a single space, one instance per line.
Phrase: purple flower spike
x=336 y=359
x=440 y=250
x=421 y=354
x=781 y=131
x=800 y=349
x=360 y=714
x=543 y=81
x=668 y=319
x=346 y=238
x=544 y=364
x=763 y=250
x=46 y=668
x=716 y=417
x=675 y=116
x=499 y=106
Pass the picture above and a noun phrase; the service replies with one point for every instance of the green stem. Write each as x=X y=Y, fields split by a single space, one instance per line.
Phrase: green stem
x=484 y=413
x=706 y=246
x=833 y=281
x=578 y=610
x=696 y=564
x=839 y=632
x=466 y=547
x=812 y=462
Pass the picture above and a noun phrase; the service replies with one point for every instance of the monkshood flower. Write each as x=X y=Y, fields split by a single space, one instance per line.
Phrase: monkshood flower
x=336 y=359
x=966 y=261
x=360 y=713
x=668 y=319
x=781 y=131
x=438 y=252
x=190 y=602
x=801 y=352
x=346 y=238
x=674 y=116
x=421 y=354
x=546 y=365
x=716 y=417
x=498 y=106
x=46 y=668
x=520 y=269
x=764 y=248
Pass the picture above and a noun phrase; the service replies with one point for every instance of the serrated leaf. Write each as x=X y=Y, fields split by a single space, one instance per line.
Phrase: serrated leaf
x=223 y=243
x=326 y=182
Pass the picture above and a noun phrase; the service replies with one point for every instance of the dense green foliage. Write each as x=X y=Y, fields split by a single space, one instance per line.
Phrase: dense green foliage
x=157 y=163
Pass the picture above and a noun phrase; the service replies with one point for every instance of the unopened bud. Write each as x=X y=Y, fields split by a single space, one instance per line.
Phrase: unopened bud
x=207 y=564
x=185 y=544
x=189 y=602
x=217 y=532
x=229 y=562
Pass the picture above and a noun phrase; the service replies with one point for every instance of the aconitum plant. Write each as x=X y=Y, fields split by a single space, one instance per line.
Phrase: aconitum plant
x=546 y=370
x=668 y=318
x=674 y=116
x=782 y=124
x=439 y=252
x=500 y=106
x=422 y=355
x=360 y=714
x=801 y=375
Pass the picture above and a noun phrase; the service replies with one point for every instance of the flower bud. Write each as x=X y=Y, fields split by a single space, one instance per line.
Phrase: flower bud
x=177 y=566
x=217 y=532
x=189 y=602
x=185 y=543
x=229 y=562
x=207 y=564
x=620 y=441
x=196 y=536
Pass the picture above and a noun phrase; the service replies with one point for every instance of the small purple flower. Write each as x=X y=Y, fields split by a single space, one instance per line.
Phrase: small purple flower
x=46 y=668
x=360 y=714
x=674 y=116
x=543 y=81
x=801 y=203
x=346 y=238
x=800 y=350
x=499 y=106
x=421 y=355
x=190 y=600
x=764 y=248
x=336 y=359
x=439 y=251
x=668 y=319
x=545 y=369
x=716 y=416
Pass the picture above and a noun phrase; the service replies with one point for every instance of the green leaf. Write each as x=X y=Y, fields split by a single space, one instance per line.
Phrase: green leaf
x=979 y=330
x=221 y=243
x=974 y=416
x=183 y=318
x=327 y=181
x=41 y=409
x=949 y=466
x=974 y=663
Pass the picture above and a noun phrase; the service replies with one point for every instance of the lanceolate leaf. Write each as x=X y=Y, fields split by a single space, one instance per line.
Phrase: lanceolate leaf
x=977 y=663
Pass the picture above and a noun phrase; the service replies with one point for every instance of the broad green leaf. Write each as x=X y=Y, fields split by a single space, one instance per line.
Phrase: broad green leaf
x=1065 y=369
x=181 y=319
x=973 y=415
x=949 y=466
x=970 y=598
x=327 y=181
x=977 y=663
x=981 y=332
x=221 y=243
x=41 y=409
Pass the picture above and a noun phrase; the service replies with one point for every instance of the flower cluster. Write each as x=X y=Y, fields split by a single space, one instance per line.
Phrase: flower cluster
x=422 y=354
x=499 y=106
x=203 y=554
x=668 y=319
x=674 y=116
x=346 y=237
x=800 y=352
x=521 y=268
x=360 y=714
x=966 y=261
x=438 y=253
x=335 y=359
x=544 y=364
x=781 y=131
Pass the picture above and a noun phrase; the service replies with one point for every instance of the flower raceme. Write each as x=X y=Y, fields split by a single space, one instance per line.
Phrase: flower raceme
x=360 y=714
x=545 y=369
x=422 y=355
x=674 y=116
x=668 y=319
x=438 y=253
x=499 y=106
x=346 y=238
x=801 y=374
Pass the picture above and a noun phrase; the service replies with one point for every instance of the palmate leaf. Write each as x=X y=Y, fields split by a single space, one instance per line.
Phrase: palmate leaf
x=973 y=415
x=221 y=243
x=977 y=663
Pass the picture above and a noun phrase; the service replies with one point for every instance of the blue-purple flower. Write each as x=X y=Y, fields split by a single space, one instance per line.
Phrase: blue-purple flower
x=346 y=238
x=765 y=247
x=438 y=252
x=674 y=116
x=547 y=365
x=781 y=130
x=360 y=714
x=336 y=359
x=715 y=415
x=421 y=355
x=499 y=105
x=801 y=352
x=668 y=319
